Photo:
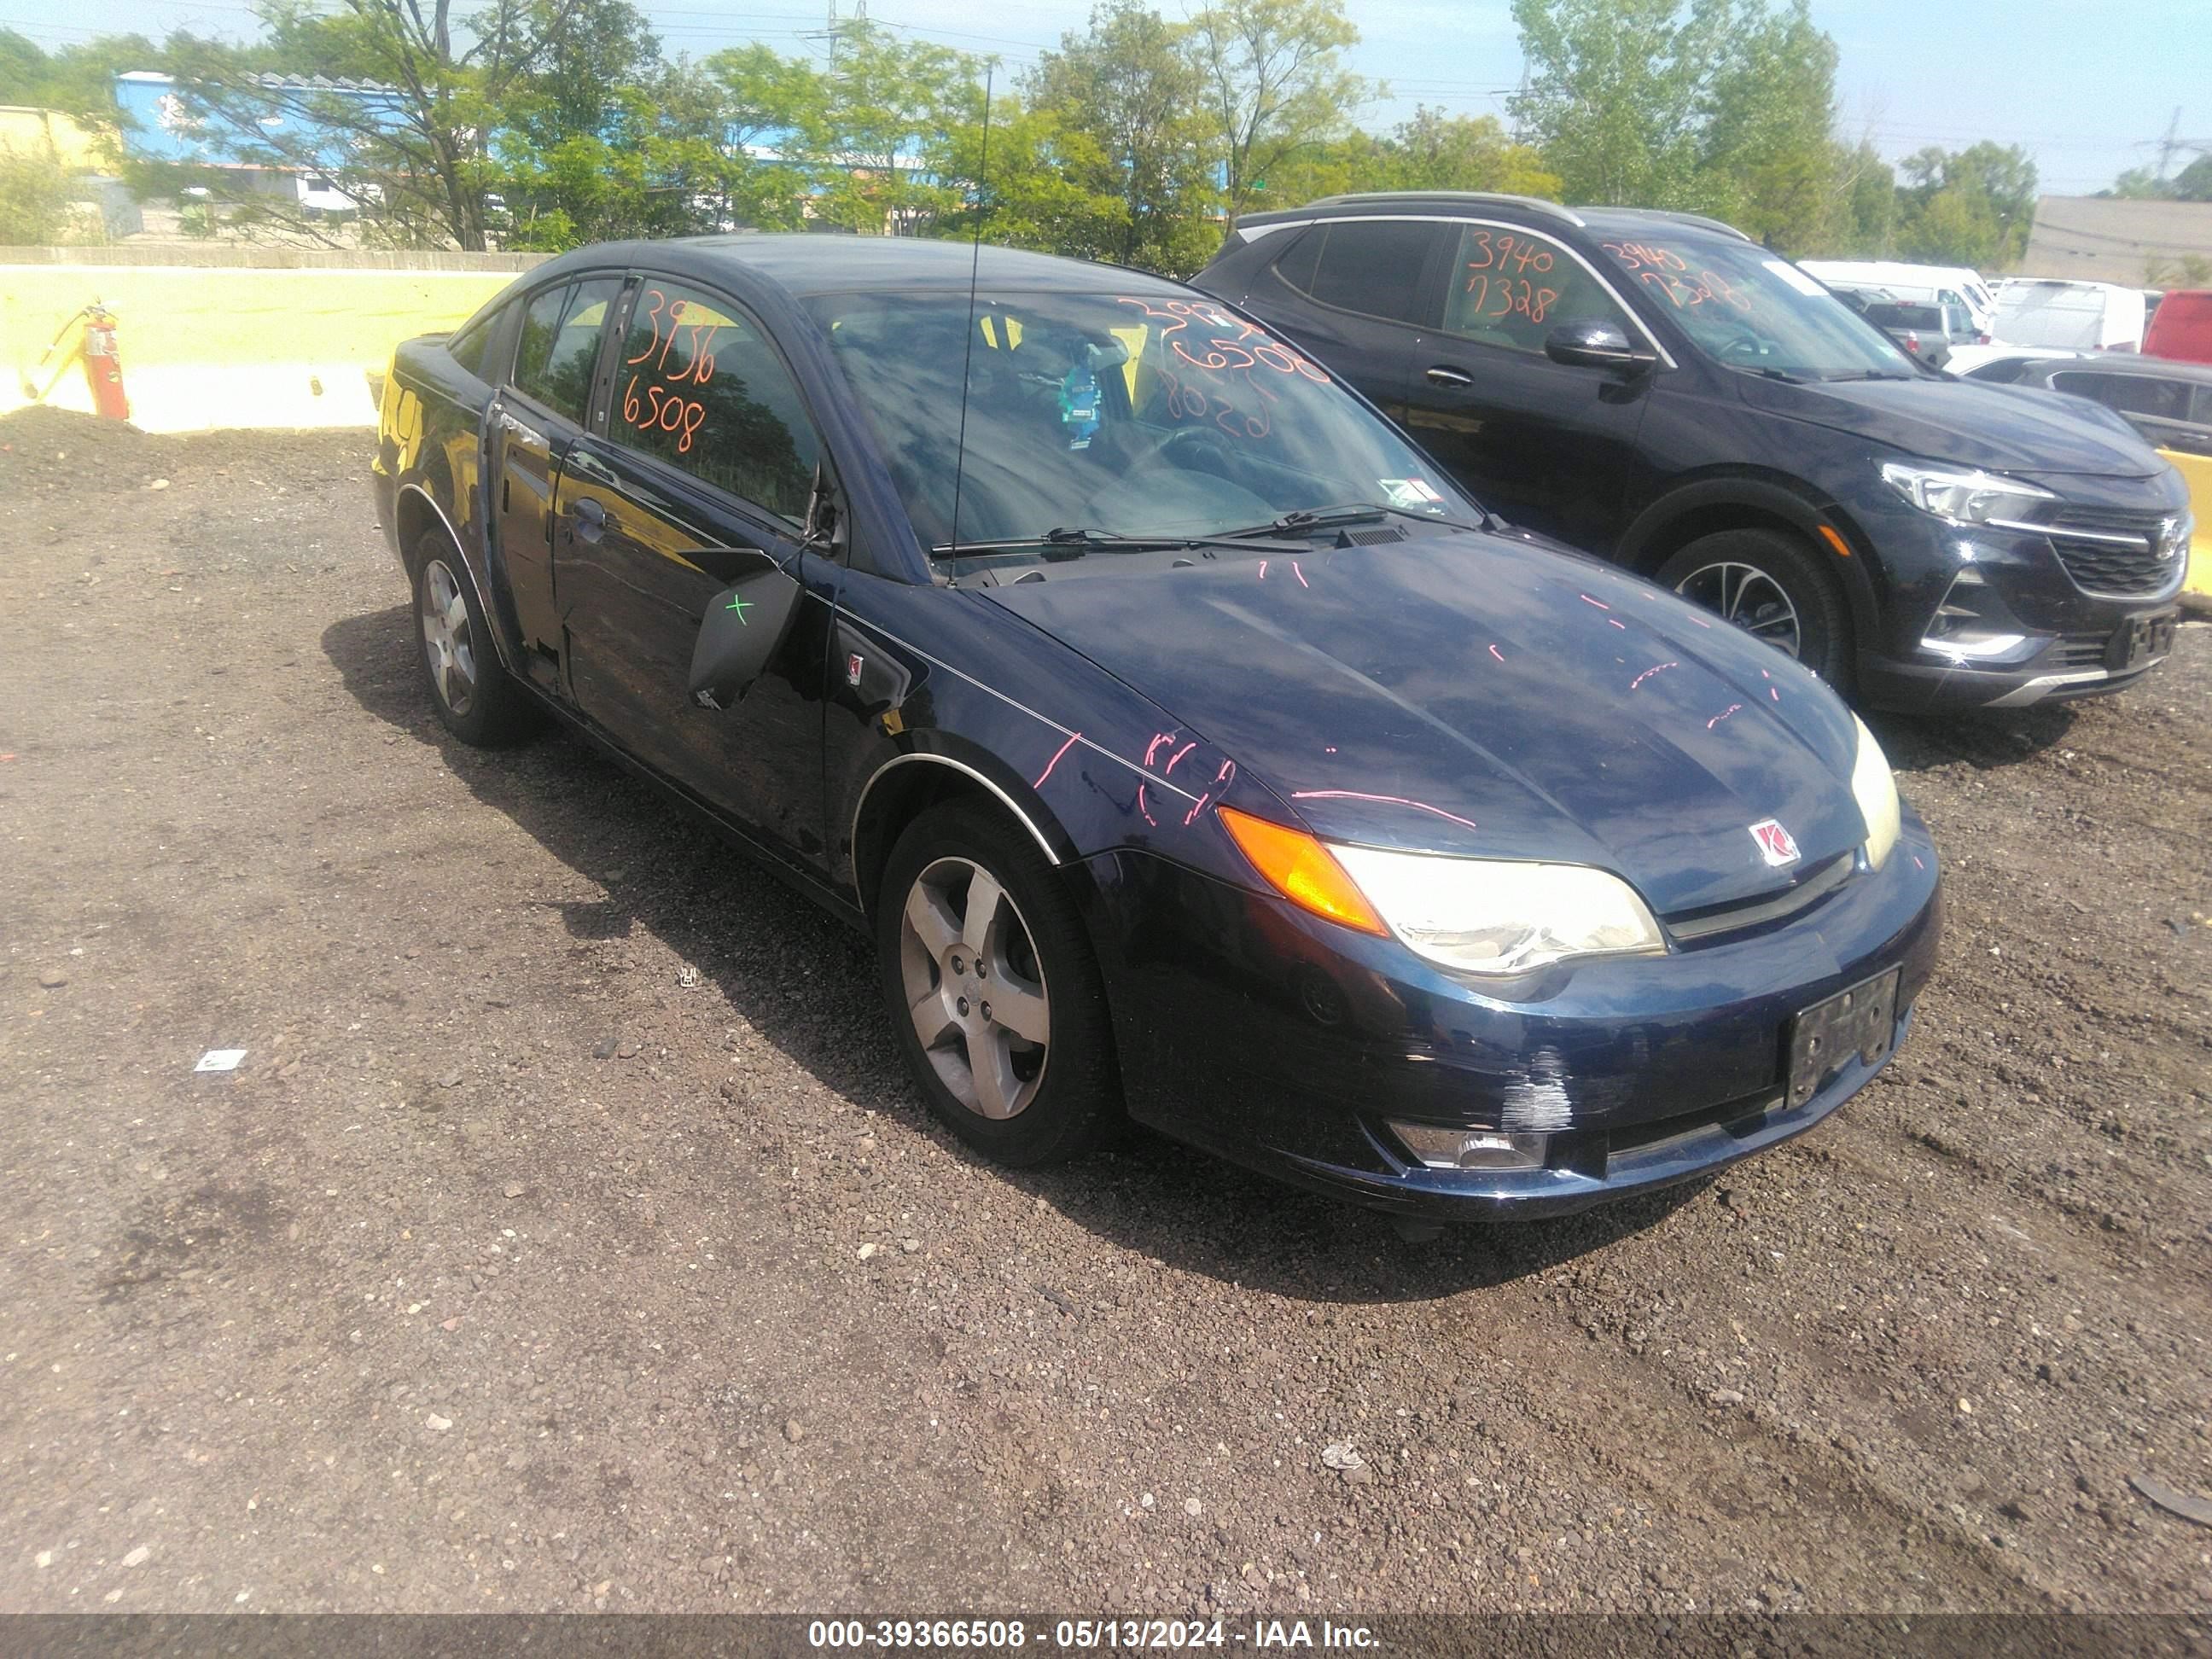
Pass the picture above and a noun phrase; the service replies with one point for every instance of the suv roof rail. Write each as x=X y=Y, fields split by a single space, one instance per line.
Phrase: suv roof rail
x=1534 y=203
x=1673 y=217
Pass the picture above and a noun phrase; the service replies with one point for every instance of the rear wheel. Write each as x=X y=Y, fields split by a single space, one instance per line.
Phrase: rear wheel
x=475 y=697
x=1000 y=1009
x=1773 y=586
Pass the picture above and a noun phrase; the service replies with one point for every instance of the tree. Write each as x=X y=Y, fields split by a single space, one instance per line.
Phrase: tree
x=1866 y=222
x=885 y=98
x=1767 y=149
x=1617 y=93
x=1970 y=207
x=1130 y=87
x=1275 y=85
x=414 y=156
x=762 y=101
x=1032 y=190
x=1437 y=151
x=36 y=191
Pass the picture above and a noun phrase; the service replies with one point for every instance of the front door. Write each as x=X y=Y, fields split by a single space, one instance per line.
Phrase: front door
x=538 y=414
x=1542 y=444
x=702 y=476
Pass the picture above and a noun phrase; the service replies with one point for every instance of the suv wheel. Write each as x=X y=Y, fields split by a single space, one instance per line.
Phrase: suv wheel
x=1772 y=586
x=1000 y=1009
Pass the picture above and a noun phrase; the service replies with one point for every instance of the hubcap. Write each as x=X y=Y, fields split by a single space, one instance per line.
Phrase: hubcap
x=973 y=988
x=1746 y=596
x=447 y=639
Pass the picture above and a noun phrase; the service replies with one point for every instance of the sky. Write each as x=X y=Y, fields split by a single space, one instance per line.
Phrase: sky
x=2088 y=91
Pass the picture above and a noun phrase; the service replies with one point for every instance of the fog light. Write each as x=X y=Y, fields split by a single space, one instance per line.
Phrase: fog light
x=1473 y=1148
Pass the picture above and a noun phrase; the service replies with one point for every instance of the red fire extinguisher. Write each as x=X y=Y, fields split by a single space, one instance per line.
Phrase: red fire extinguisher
x=103 y=366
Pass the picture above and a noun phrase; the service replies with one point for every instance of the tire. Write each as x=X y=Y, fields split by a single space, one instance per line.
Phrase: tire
x=1050 y=1090
x=1779 y=591
x=475 y=698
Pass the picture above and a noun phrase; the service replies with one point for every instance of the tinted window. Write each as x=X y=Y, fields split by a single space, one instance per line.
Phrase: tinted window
x=2130 y=394
x=1904 y=316
x=1370 y=266
x=561 y=344
x=468 y=347
x=1511 y=289
x=2003 y=371
x=700 y=388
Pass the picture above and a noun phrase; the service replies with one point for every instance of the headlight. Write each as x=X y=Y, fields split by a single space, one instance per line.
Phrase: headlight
x=1961 y=494
x=1875 y=790
x=1488 y=916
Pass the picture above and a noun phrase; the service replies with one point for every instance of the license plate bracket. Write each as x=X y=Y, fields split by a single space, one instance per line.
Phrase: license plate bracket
x=2141 y=639
x=1861 y=1020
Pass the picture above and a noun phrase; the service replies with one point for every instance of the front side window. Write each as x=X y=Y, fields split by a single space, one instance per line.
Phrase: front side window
x=1115 y=413
x=1511 y=289
x=561 y=344
x=698 y=385
x=1747 y=309
x=2130 y=394
x=1372 y=266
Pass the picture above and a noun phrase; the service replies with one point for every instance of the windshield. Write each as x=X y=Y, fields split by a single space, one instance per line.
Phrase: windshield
x=1118 y=415
x=1747 y=309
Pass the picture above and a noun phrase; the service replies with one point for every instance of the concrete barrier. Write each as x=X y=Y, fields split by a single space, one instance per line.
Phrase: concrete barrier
x=211 y=347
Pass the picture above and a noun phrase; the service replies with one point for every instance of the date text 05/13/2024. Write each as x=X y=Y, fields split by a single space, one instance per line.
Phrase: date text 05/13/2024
x=1086 y=1634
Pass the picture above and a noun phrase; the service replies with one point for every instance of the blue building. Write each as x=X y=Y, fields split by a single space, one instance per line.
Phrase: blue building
x=160 y=124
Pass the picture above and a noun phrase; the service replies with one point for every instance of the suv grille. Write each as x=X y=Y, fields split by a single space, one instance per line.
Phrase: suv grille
x=2115 y=552
x=2079 y=650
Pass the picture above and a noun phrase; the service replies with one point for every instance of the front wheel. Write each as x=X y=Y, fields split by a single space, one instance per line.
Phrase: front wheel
x=1773 y=587
x=989 y=979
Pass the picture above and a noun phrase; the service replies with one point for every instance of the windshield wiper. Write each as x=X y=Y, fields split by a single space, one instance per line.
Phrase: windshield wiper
x=1780 y=374
x=1864 y=375
x=1069 y=542
x=1327 y=518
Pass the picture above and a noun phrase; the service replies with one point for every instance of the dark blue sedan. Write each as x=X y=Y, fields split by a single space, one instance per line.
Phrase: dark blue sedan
x=1188 y=746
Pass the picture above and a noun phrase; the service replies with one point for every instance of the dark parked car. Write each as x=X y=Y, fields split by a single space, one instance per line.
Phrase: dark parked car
x=1656 y=389
x=1183 y=742
x=2169 y=403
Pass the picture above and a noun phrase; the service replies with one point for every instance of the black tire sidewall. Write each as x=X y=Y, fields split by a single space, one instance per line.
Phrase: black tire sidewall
x=1823 y=619
x=1078 y=1103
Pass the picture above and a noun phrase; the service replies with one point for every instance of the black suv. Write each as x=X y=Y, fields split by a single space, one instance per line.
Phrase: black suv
x=1658 y=389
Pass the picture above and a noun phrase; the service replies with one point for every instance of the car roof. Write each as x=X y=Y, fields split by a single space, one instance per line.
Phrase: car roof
x=807 y=264
x=2122 y=362
x=1458 y=203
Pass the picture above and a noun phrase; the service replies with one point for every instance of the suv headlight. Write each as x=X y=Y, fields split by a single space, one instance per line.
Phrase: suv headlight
x=1874 y=788
x=1493 y=916
x=1961 y=494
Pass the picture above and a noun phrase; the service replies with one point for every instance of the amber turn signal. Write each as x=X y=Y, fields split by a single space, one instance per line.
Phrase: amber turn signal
x=1301 y=869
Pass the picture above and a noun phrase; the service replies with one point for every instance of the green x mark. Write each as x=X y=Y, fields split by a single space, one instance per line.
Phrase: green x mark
x=740 y=606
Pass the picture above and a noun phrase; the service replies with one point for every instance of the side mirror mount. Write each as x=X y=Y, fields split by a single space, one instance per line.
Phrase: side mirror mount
x=822 y=524
x=740 y=635
x=1597 y=345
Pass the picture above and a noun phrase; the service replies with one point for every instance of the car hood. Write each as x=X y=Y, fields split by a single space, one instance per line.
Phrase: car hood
x=1483 y=695
x=1969 y=422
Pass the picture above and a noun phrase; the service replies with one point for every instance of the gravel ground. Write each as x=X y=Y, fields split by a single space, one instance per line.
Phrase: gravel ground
x=569 y=1239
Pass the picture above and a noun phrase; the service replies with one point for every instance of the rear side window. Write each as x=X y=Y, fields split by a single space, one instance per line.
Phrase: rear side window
x=2003 y=371
x=1512 y=288
x=1370 y=266
x=468 y=347
x=699 y=387
x=2130 y=394
x=560 y=344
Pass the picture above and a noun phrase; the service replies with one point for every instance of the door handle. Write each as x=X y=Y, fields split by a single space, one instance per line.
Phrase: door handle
x=590 y=520
x=1444 y=374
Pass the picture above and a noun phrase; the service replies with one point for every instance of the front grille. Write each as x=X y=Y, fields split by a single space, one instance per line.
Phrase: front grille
x=2125 y=553
x=1814 y=883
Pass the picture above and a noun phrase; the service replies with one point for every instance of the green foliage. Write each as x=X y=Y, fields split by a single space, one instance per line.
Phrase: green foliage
x=1275 y=86
x=2192 y=184
x=35 y=193
x=1970 y=207
x=1437 y=151
x=1129 y=86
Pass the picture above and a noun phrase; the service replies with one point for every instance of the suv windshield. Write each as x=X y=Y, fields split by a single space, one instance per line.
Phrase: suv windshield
x=1747 y=309
x=1120 y=416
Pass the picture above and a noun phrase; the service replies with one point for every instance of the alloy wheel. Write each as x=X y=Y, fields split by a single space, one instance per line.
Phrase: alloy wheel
x=1746 y=596
x=973 y=988
x=448 y=641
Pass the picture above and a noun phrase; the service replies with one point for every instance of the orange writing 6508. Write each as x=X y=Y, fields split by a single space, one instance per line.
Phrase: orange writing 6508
x=661 y=408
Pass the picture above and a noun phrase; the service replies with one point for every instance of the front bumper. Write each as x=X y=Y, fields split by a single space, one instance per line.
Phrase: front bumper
x=1278 y=1041
x=2067 y=641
